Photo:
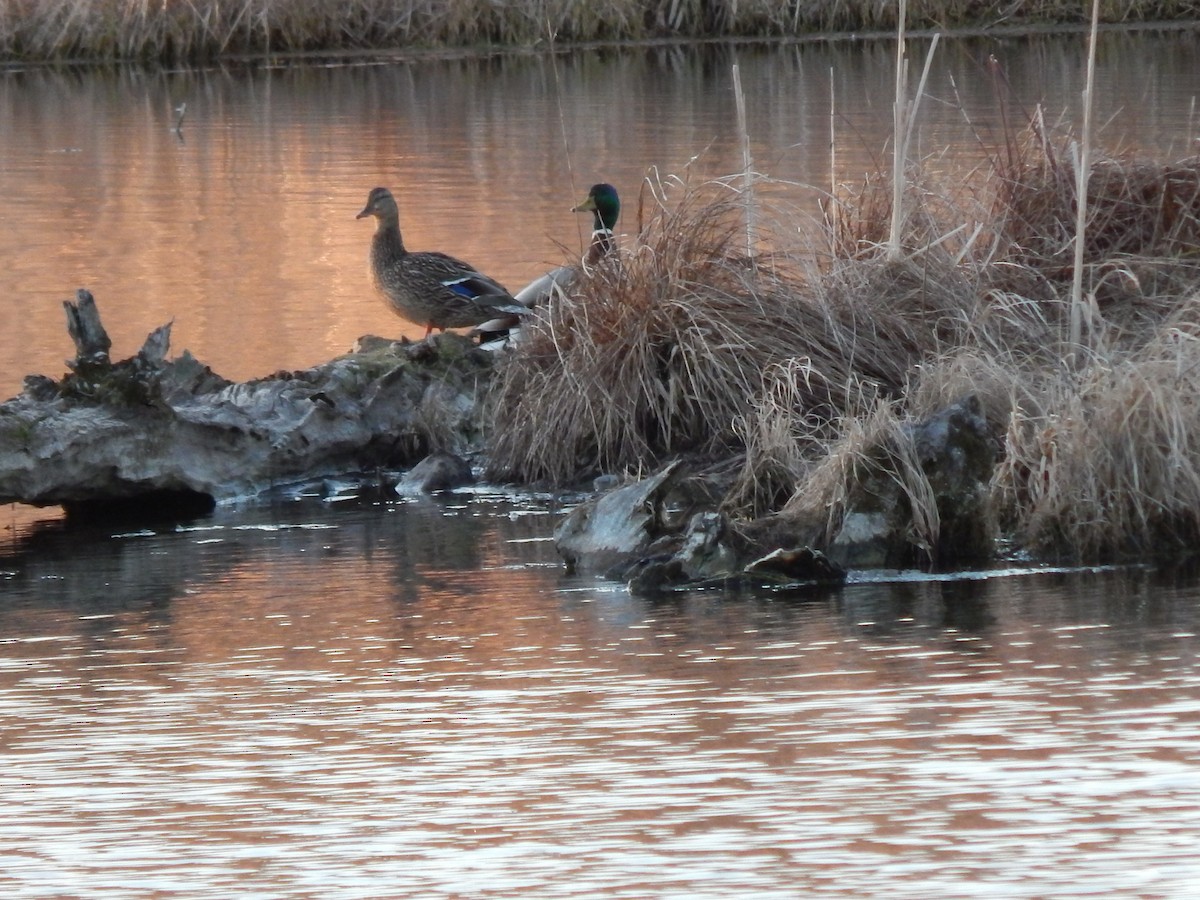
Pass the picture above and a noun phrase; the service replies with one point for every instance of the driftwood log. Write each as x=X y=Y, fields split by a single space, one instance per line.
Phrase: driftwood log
x=171 y=433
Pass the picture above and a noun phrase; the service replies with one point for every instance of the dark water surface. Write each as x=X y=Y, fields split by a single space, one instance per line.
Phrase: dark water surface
x=346 y=697
x=411 y=699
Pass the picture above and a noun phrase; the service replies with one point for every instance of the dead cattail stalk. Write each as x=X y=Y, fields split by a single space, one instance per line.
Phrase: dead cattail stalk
x=899 y=118
x=747 y=158
x=1082 y=174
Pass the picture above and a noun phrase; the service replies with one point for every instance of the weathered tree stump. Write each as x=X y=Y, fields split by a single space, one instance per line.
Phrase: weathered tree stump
x=92 y=342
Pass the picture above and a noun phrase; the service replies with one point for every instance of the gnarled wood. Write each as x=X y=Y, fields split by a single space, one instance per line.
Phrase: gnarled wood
x=149 y=427
x=92 y=342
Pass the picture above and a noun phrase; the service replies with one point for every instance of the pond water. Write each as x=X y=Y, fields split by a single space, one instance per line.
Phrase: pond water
x=364 y=698
x=358 y=696
x=242 y=229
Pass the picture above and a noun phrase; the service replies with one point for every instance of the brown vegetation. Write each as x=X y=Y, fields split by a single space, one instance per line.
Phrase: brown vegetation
x=204 y=29
x=663 y=348
x=685 y=344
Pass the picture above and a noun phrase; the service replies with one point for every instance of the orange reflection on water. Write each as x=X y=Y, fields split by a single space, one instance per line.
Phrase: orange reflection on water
x=242 y=231
x=416 y=695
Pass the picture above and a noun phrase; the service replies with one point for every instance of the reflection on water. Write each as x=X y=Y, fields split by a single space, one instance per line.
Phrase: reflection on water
x=410 y=699
x=373 y=698
x=243 y=231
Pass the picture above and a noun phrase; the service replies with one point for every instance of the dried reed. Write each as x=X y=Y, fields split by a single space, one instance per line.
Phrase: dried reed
x=1106 y=462
x=661 y=349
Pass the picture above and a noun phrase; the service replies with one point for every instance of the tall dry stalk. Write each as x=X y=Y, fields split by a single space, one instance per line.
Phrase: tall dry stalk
x=1083 y=173
x=747 y=158
x=904 y=117
x=899 y=119
x=833 y=213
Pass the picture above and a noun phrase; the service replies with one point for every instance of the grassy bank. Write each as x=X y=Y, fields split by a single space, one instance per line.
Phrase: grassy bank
x=175 y=31
x=796 y=361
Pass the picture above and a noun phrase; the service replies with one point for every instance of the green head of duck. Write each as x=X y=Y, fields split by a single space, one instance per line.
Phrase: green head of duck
x=604 y=205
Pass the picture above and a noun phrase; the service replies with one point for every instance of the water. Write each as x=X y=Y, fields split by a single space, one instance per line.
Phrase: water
x=243 y=233
x=411 y=699
x=360 y=696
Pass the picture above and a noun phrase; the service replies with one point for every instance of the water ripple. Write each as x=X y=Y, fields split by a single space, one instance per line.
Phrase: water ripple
x=519 y=734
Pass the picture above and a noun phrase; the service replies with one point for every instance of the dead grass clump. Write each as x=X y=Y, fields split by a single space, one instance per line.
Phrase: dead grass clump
x=876 y=445
x=999 y=382
x=782 y=437
x=1136 y=209
x=1107 y=464
x=661 y=349
x=817 y=482
x=688 y=343
x=884 y=320
x=896 y=313
x=927 y=297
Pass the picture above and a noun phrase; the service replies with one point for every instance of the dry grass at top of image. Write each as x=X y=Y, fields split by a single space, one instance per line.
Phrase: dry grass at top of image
x=198 y=30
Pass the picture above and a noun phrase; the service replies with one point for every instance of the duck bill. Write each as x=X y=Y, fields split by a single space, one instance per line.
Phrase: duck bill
x=588 y=205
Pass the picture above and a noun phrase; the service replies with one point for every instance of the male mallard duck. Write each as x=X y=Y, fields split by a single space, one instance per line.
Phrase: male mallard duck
x=430 y=289
x=605 y=206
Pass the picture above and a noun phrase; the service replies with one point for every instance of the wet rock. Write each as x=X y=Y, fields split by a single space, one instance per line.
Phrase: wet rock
x=958 y=455
x=869 y=538
x=611 y=529
x=706 y=552
x=711 y=554
x=793 y=567
x=436 y=472
x=701 y=555
x=885 y=525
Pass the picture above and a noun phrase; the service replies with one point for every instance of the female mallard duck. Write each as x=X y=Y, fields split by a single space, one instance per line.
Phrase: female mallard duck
x=605 y=206
x=430 y=289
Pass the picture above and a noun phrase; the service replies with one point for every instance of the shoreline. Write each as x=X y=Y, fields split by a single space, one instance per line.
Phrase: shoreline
x=394 y=51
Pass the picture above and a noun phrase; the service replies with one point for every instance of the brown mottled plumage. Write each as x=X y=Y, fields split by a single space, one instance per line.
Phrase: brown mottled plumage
x=428 y=288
